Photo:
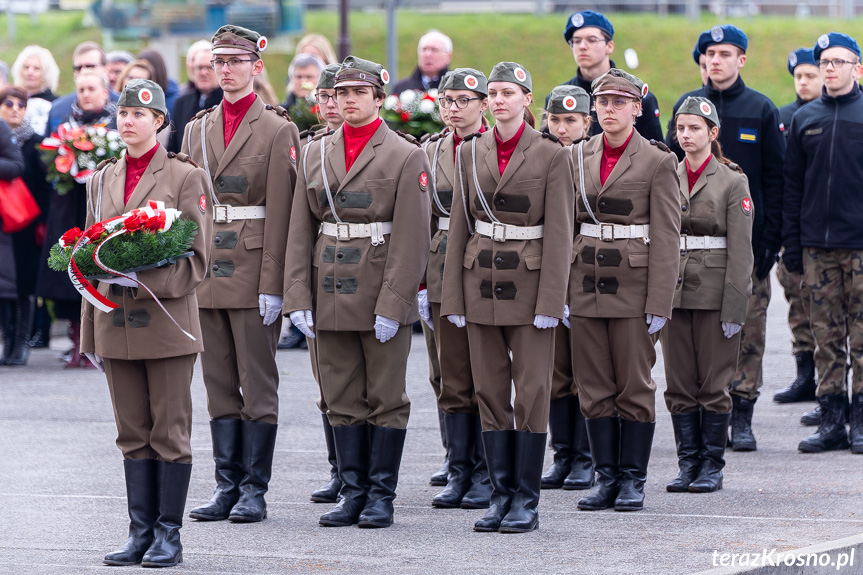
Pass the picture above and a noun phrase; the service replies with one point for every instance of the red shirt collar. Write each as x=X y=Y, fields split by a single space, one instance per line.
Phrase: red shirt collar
x=143 y=161
x=356 y=140
x=241 y=106
x=510 y=144
x=610 y=152
x=456 y=140
x=693 y=176
x=363 y=131
x=135 y=168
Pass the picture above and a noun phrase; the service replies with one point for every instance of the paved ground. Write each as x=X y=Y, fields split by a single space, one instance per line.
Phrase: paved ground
x=62 y=502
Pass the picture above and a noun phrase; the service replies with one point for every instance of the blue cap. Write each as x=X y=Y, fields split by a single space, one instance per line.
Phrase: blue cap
x=584 y=19
x=835 y=40
x=727 y=34
x=703 y=37
x=801 y=56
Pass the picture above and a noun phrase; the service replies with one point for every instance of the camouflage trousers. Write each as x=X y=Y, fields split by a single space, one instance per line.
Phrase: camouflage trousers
x=748 y=378
x=797 y=296
x=835 y=279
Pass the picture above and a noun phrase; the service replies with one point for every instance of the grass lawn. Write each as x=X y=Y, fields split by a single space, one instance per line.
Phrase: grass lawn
x=664 y=45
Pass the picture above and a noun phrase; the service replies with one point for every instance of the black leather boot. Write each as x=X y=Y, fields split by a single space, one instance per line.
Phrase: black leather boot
x=831 y=434
x=259 y=441
x=41 y=327
x=581 y=475
x=523 y=515
x=166 y=550
x=636 y=439
x=479 y=494
x=500 y=456
x=742 y=438
x=23 y=325
x=352 y=454
x=460 y=455
x=227 y=435
x=857 y=423
x=329 y=493
x=141 y=498
x=7 y=320
x=439 y=477
x=560 y=423
x=687 y=438
x=604 y=436
x=386 y=445
x=811 y=418
x=713 y=439
x=803 y=387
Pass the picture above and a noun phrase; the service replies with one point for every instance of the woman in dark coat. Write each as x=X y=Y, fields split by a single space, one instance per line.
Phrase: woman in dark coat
x=93 y=107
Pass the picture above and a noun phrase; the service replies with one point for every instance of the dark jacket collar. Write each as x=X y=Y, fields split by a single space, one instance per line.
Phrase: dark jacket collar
x=583 y=82
x=852 y=96
x=733 y=91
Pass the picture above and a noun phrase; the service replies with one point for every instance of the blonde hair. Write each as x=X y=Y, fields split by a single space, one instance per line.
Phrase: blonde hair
x=101 y=76
x=320 y=43
x=262 y=87
x=124 y=75
x=50 y=70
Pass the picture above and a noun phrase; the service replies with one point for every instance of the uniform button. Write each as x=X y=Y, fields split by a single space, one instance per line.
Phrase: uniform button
x=342 y=198
x=217 y=240
x=131 y=318
x=683 y=253
x=686 y=232
x=498 y=290
x=498 y=260
x=340 y=255
x=215 y=267
x=680 y=280
x=221 y=183
x=600 y=257
x=501 y=202
x=338 y=285
x=602 y=204
x=601 y=284
x=683 y=208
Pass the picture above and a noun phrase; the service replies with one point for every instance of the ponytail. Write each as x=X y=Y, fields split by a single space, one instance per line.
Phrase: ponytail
x=529 y=118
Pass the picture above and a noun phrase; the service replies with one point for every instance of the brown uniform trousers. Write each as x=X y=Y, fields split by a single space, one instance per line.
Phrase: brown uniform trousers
x=613 y=284
x=347 y=282
x=501 y=286
x=797 y=296
x=562 y=382
x=258 y=168
x=148 y=361
x=713 y=287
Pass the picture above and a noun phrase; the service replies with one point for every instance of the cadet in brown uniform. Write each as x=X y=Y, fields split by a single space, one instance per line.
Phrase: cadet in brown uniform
x=506 y=270
x=702 y=340
x=359 y=244
x=625 y=260
x=468 y=484
x=249 y=151
x=147 y=360
x=568 y=116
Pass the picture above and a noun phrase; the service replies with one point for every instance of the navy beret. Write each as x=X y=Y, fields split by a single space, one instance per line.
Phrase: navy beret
x=584 y=19
x=727 y=34
x=835 y=40
x=801 y=56
x=703 y=37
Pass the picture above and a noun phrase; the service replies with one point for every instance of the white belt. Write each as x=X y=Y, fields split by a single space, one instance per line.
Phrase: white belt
x=702 y=242
x=611 y=232
x=345 y=231
x=443 y=224
x=501 y=232
x=224 y=213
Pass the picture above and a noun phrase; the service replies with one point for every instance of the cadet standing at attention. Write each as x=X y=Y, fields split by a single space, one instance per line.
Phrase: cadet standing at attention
x=359 y=244
x=702 y=340
x=506 y=270
x=625 y=261
x=568 y=115
x=249 y=151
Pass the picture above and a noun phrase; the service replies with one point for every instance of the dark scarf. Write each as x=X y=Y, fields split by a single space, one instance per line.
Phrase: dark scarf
x=106 y=116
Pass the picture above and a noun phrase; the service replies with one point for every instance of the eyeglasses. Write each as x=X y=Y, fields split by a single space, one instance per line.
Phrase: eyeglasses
x=324 y=98
x=82 y=66
x=218 y=64
x=617 y=103
x=591 y=40
x=836 y=63
x=13 y=103
x=460 y=103
x=199 y=69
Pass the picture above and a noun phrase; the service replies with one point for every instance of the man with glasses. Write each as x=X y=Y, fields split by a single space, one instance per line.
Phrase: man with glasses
x=591 y=37
x=250 y=153
x=434 y=53
x=205 y=93
x=823 y=238
x=750 y=137
x=87 y=55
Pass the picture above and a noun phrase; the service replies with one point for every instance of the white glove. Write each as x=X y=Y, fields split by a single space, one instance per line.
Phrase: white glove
x=97 y=361
x=385 y=328
x=566 y=315
x=457 y=320
x=302 y=320
x=122 y=281
x=544 y=321
x=730 y=329
x=656 y=323
x=425 y=307
x=270 y=307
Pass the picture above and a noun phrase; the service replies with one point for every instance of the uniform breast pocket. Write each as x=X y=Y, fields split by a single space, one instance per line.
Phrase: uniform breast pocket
x=386 y=183
x=528 y=184
x=633 y=186
x=638 y=260
x=469 y=260
x=248 y=160
x=716 y=260
x=255 y=242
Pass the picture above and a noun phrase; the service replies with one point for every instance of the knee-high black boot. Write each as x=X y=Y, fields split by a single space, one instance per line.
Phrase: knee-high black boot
x=500 y=457
x=329 y=493
x=23 y=324
x=166 y=550
x=352 y=453
x=687 y=437
x=259 y=442
x=560 y=424
x=713 y=441
x=143 y=503
x=460 y=457
x=636 y=439
x=581 y=475
x=386 y=445
x=523 y=515
x=439 y=477
x=227 y=435
x=479 y=494
x=604 y=436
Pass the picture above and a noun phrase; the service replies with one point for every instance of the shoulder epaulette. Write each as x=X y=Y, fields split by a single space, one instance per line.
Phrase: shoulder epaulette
x=305 y=134
x=551 y=137
x=472 y=136
x=104 y=163
x=182 y=157
x=202 y=113
x=280 y=111
x=584 y=139
x=735 y=167
x=427 y=138
x=660 y=145
x=408 y=137
x=321 y=134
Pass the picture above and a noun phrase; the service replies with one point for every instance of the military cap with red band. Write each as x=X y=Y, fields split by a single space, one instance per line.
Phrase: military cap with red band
x=230 y=39
x=358 y=72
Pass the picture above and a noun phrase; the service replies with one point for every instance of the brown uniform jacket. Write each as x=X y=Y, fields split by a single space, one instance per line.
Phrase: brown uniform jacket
x=138 y=328
x=719 y=205
x=625 y=277
x=509 y=283
x=347 y=283
x=444 y=180
x=259 y=168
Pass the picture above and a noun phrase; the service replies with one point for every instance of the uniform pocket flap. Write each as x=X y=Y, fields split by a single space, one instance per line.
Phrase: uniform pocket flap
x=384 y=183
x=434 y=245
x=715 y=260
x=469 y=259
x=638 y=260
x=259 y=159
x=522 y=184
x=255 y=242
x=574 y=256
x=533 y=262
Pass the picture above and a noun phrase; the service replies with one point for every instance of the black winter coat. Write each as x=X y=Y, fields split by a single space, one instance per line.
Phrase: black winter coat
x=28 y=252
x=185 y=109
